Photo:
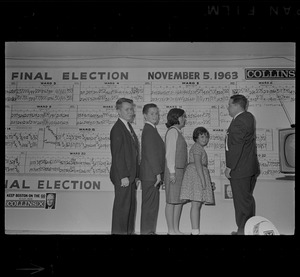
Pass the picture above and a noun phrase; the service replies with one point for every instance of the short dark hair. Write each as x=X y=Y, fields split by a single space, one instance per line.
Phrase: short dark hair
x=121 y=101
x=147 y=107
x=173 y=115
x=199 y=131
x=239 y=99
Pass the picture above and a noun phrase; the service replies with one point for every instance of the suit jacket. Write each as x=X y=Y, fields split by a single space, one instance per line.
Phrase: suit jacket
x=241 y=156
x=124 y=152
x=153 y=154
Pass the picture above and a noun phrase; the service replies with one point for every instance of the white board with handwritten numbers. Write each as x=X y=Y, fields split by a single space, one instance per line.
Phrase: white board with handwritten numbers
x=58 y=119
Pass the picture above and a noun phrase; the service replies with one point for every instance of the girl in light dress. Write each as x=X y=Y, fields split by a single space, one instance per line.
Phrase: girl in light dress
x=176 y=161
x=197 y=187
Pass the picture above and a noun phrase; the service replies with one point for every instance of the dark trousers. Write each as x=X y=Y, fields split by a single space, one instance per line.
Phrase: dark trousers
x=150 y=205
x=243 y=200
x=124 y=210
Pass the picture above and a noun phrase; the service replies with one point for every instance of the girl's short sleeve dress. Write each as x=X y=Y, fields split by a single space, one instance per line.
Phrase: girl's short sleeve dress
x=191 y=189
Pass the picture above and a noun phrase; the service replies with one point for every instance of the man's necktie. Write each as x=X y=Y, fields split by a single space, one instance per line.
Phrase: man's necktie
x=136 y=142
x=226 y=137
x=132 y=132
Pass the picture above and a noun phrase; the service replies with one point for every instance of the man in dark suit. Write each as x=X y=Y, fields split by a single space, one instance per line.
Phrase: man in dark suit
x=124 y=168
x=50 y=200
x=151 y=169
x=242 y=166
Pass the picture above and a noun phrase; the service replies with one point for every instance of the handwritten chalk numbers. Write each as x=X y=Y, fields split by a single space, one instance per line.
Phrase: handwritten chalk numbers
x=220 y=75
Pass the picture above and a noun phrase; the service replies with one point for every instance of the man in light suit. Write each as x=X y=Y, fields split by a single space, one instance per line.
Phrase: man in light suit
x=124 y=168
x=242 y=167
x=151 y=169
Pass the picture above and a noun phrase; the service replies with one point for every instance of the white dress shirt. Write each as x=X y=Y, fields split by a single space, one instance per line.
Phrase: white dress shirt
x=125 y=123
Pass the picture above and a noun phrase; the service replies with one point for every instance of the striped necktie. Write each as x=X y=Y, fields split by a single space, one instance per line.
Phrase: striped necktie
x=132 y=132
